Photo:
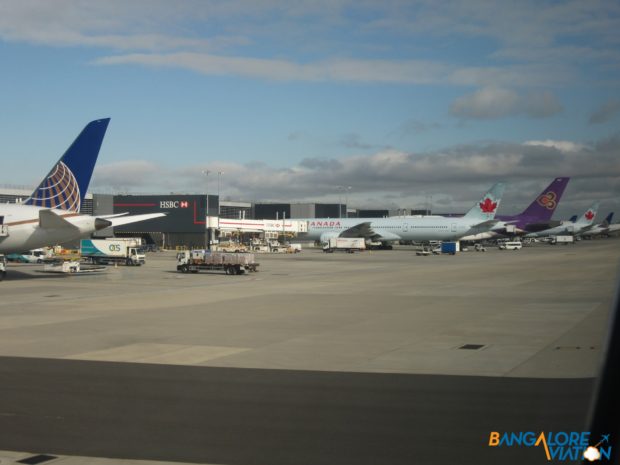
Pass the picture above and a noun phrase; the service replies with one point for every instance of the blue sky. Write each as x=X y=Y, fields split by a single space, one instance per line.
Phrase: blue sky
x=290 y=100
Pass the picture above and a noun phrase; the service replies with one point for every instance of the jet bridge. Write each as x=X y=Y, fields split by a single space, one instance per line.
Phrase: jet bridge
x=284 y=226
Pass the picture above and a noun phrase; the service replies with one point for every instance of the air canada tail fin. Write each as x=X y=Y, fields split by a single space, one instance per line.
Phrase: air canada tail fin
x=486 y=208
x=65 y=185
x=588 y=217
x=544 y=205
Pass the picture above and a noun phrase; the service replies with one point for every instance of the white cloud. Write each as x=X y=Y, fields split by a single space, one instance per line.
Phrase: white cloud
x=496 y=102
x=277 y=31
x=486 y=103
x=411 y=71
x=123 y=175
x=456 y=175
x=561 y=145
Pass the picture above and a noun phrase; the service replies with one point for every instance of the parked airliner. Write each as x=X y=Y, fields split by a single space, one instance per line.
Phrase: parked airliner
x=536 y=217
x=479 y=218
x=583 y=224
x=606 y=228
x=51 y=214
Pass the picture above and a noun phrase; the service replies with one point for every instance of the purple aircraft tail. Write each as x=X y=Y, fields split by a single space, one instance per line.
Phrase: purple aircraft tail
x=544 y=205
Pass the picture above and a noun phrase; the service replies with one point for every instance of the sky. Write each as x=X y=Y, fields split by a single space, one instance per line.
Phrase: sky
x=392 y=104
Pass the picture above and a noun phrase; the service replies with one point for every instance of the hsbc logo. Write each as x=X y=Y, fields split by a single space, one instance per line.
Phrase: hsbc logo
x=174 y=204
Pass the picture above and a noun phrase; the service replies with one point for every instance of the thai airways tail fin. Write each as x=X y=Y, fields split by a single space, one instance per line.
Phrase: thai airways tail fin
x=486 y=208
x=65 y=185
x=544 y=205
x=588 y=217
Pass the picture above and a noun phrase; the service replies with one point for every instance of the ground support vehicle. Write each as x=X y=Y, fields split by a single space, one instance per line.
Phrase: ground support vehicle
x=510 y=245
x=450 y=248
x=193 y=261
x=344 y=244
x=2 y=267
x=561 y=240
x=122 y=251
x=62 y=266
x=234 y=247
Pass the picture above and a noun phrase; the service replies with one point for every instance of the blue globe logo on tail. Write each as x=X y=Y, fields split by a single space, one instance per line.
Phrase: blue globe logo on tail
x=59 y=190
x=64 y=186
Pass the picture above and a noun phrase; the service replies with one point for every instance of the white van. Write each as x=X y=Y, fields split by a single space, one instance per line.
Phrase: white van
x=515 y=245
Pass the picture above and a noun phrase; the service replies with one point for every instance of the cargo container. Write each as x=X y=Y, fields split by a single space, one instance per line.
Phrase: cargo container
x=450 y=248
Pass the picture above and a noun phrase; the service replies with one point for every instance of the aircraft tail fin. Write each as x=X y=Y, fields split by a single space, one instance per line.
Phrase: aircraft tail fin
x=544 y=205
x=588 y=217
x=608 y=219
x=486 y=208
x=65 y=185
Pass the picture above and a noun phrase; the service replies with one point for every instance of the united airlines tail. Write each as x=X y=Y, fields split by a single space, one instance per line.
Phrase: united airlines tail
x=66 y=184
x=486 y=208
x=543 y=207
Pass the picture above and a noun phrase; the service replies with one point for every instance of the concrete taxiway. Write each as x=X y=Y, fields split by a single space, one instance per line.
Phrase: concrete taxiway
x=379 y=357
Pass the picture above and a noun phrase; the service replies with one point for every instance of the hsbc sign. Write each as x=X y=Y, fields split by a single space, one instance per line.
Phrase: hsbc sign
x=185 y=213
x=174 y=204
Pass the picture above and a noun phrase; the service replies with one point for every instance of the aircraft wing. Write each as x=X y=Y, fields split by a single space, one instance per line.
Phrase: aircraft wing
x=359 y=230
x=381 y=235
x=542 y=226
x=105 y=217
x=121 y=220
x=484 y=226
x=364 y=230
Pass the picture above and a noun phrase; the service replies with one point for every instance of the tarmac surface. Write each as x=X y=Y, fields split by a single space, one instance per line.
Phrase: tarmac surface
x=317 y=358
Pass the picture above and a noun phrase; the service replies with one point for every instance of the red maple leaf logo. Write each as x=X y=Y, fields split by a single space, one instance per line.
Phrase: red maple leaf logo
x=589 y=215
x=488 y=206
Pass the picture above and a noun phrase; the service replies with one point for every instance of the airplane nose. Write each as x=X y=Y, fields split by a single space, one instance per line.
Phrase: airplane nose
x=102 y=224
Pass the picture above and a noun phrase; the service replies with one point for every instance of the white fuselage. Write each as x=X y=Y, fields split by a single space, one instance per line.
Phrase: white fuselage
x=392 y=229
x=22 y=224
x=600 y=230
x=567 y=228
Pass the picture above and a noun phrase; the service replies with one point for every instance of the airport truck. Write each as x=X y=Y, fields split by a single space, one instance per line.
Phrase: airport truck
x=510 y=245
x=124 y=251
x=562 y=240
x=344 y=244
x=2 y=267
x=193 y=261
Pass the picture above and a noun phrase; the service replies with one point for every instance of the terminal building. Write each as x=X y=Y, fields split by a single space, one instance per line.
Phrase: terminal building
x=185 y=220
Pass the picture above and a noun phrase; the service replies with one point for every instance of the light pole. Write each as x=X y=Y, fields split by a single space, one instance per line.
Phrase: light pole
x=219 y=175
x=346 y=190
x=208 y=239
